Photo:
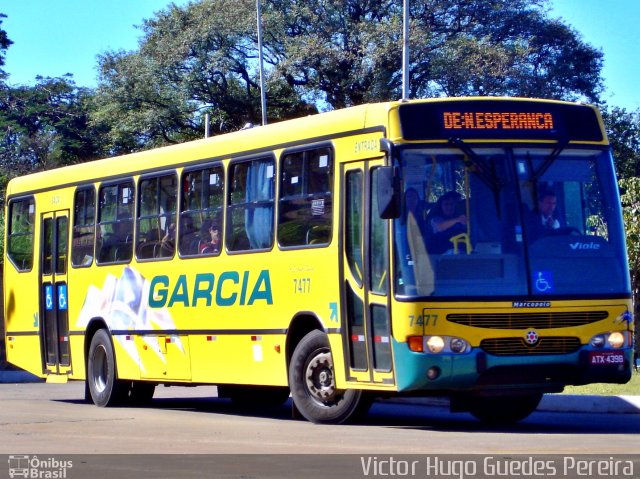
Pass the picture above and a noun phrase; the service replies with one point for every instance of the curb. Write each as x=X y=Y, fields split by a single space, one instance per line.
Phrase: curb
x=562 y=403
x=592 y=404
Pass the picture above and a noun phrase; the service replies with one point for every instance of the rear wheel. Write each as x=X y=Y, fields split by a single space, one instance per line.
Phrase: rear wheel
x=313 y=387
x=104 y=387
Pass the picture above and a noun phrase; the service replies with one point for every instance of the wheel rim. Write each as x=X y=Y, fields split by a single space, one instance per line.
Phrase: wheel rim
x=100 y=368
x=320 y=380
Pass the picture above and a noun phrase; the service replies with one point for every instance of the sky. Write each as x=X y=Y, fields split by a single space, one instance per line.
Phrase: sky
x=54 y=37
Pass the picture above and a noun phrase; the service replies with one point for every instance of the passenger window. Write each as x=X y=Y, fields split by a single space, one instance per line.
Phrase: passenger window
x=201 y=206
x=115 y=222
x=250 y=207
x=84 y=224
x=156 y=232
x=20 y=234
x=305 y=213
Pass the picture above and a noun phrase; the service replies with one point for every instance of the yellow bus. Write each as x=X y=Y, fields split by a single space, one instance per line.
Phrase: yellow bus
x=467 y=247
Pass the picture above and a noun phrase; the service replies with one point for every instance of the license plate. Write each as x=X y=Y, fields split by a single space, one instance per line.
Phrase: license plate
x=597 y=358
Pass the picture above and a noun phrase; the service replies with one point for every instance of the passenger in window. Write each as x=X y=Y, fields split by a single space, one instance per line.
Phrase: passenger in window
x=122 y=230
x=446 y=222
x=189 y=236
x=118 y=246
x=415 y=209
x=168 y=241
x=209 y=238
x=170 y=235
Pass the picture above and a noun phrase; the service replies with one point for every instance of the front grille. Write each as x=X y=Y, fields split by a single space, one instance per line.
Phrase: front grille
x=537 y=320
x=518 y=346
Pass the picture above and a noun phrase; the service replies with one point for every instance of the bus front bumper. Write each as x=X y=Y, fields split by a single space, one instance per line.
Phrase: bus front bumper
x=482 y=372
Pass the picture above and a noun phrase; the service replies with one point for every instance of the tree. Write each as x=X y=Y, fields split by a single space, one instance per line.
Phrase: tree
x=623 y=129
x=349 y=50
x=193 y=59
x=45 y=126
x=335 y=53
x=4 y=44
x=631 y=211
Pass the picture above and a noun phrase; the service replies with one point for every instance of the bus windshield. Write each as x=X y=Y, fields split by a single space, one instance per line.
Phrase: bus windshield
x=537 y=222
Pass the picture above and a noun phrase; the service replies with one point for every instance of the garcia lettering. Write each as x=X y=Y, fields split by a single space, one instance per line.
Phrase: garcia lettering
x=231 y=288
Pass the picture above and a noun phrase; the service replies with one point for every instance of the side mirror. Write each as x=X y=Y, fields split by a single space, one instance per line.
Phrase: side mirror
x=388 y=192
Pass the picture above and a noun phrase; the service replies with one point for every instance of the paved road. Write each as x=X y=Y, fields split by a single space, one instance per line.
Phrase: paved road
x=50 y=418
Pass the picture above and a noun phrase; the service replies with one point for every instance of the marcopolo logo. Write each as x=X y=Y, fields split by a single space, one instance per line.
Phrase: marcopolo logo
x=38 y=468
x=531 y=337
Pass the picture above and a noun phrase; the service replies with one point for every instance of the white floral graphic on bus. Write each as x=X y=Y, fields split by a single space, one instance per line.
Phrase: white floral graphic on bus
x=122 y=302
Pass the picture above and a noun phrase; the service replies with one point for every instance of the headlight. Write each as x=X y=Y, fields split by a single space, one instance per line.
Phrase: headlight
x=614 y=340
x=445 y=344
x=598 y=341
x=458 y=345
x=435 y=344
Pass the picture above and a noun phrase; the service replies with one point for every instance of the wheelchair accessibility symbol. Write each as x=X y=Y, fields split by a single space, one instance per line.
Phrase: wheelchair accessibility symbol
x=48 y=297
x=543 y=281
x=62 y=297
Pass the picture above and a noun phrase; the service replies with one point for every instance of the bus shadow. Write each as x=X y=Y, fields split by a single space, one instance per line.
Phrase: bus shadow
x=416 y=417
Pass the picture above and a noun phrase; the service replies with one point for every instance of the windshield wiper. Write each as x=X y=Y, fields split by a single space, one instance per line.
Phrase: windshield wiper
x=548 y=161
x=476 y=164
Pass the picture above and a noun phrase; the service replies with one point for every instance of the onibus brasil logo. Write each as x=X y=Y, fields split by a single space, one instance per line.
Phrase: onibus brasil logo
x=34 y=467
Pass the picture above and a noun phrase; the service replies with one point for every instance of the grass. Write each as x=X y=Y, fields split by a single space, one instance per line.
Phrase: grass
x=632 y=388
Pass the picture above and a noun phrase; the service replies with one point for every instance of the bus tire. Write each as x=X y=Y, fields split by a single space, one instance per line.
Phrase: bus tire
x=312 y=383
x=503 y=410
x=104 y=387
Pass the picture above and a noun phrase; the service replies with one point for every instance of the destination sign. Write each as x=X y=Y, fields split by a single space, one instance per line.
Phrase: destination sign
x=462 y=120
x=499 y=119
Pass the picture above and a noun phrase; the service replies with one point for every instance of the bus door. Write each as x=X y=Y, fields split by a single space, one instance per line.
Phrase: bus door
x=54 y=326
x=365 y=257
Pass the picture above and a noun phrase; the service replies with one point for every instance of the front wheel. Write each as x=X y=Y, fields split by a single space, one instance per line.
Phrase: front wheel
x=104 y=387
x=313 y=387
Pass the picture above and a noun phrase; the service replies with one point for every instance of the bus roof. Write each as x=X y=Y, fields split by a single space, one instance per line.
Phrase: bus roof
x=313 y=128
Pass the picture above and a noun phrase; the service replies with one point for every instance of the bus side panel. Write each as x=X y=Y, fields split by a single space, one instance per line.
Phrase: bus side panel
x=239 y=359
x=22 y=319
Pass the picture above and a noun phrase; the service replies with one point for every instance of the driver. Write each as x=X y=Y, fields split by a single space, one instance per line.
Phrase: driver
x=543 y=222
x=547 y=202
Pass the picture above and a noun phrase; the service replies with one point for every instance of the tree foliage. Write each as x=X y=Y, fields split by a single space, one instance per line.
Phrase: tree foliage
x=623 y=129
x=45 y=126
x=631 y=210
x=350 y=50
x=202 y=57
x=4 y=44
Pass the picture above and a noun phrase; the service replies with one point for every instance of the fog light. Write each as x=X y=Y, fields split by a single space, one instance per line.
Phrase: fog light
x=616 y=340
x=435 y=344
x=433 y=373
